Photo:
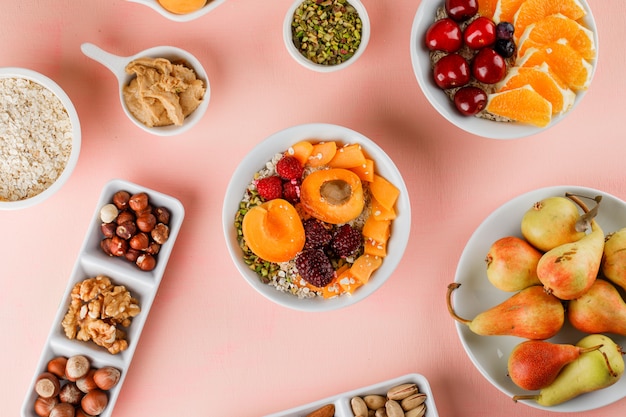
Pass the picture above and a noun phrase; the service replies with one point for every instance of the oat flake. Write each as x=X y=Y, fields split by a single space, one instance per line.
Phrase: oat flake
x=35 y=138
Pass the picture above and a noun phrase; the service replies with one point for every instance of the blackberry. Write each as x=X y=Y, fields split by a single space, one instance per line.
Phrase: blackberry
x=315 y=267
x=316 y=234
x=346 y=241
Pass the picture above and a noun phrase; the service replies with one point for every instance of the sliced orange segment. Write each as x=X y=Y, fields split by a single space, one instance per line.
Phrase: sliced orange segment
x=572 y=69
x=522 y=104
x=487 y=8
x=542 y=81
x=561 y=29
x=531 y=11
x=505 y=10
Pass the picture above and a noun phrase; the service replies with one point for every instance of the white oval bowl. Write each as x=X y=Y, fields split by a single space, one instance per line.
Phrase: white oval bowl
x=154 y=5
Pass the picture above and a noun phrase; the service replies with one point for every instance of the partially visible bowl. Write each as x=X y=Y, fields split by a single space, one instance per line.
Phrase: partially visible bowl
x=422 y=68
x=154 y=4
x=279 y=142
x=306 y=62
x=55 y=129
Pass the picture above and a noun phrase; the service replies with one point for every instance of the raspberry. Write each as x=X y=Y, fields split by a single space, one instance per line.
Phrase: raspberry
x=316 y=234
x=346 y=241
x=270 y=188
x=289 y=168
x=315 y=267
x=291 y=191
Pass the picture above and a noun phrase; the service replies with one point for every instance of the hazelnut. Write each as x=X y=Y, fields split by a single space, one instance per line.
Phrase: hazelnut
x=81 y=413
x=63 y=410
x=120 y=199
x=140 y=241
x=87 y=383
x=125 y=216
x=138 y=202
x=162 y=214
x=47 y=385
x=153 y=248
x=77 y=367
x=71 y=394
x=57 y=365
x=107 y=377
x=126 y=230
x=160 y=233
x=105 y=245
x=146 y=262
x=132 y=254
x=94 y=402
x=118 y=246
x=146 y=222
x=43 y=406
x=108 y=229
x=108 y=213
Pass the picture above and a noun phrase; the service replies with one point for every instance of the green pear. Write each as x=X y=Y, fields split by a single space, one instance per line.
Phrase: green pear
x=570 y=269
x=551 y=222
x=591 y=371
x=512 y=264
x=600 y=310
x=535 y=364
x=614 y=259
x=530 y=313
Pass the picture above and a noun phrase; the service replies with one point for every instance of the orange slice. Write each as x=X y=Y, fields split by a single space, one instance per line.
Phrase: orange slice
x=522 y=104
x=561 y=29
x=531 y=11
x=505 y=10
x=487 y=8
x=571 y=68
x=542 y=81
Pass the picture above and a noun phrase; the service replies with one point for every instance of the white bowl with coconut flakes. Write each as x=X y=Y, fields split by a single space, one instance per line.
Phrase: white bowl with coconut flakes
x=40 y=138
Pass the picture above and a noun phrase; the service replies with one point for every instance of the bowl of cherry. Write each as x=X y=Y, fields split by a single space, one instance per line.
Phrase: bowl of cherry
x=465 y=58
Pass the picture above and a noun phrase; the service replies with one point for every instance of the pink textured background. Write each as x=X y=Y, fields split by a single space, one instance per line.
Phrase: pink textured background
x=212 y=346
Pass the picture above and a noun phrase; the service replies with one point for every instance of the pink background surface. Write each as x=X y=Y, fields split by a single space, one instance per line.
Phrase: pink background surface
x=212 y=345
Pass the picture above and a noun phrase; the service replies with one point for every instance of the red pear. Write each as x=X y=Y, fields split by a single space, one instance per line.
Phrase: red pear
x=512 y=264
x=600 y=310
x=614 y=259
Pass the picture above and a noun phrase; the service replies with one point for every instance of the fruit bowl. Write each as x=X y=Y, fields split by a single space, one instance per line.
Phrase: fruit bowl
x=278 y=143
x=186 y=17
x=490 y=353
x=422 y=68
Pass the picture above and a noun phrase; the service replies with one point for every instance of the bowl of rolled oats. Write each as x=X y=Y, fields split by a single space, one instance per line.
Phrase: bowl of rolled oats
x=40 y=138
x=326 y=35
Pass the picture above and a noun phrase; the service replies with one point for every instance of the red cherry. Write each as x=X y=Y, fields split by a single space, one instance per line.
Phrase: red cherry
x=470 y=100
x=480 y=33
x=460 y=10
x=450 y=71
x=488 y=66
x=444 y=35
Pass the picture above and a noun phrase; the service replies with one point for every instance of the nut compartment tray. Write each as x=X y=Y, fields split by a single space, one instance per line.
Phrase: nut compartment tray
x=142 y=285
x=342 y=401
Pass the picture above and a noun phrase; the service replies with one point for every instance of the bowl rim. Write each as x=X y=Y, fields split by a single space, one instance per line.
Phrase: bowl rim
x=279 y=142
x=302 y=60
x=424 y=16
x=39 y=78
x=154 y=5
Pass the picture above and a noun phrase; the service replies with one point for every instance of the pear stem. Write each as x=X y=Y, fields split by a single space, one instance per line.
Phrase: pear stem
x=452 y=287
x=590 y=349
x=608 y=365
x=525 y=397
x=584 y=221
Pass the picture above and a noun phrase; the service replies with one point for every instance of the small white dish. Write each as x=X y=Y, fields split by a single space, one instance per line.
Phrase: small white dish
x=154 y=5
x=91 y=261
x=33 y=76
x=281 y=141
x=420 y=59
x=117 y=65
x=307 y=63
x=342 y=401
x=490 y=353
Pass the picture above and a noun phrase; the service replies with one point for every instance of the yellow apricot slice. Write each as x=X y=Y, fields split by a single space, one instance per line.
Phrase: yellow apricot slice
x=348 y=156
x=378 y=230
x=348 y=282
x=365 y=171
x=372 y=247
x=301 y=151
x=273 y=231
x=182 y=6
x=385 y=192
x=364 y=266
x=333 y=195
x=322 y=153
x=382 y=213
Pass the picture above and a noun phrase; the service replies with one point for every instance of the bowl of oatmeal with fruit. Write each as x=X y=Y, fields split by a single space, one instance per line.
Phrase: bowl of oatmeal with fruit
x=40 y=138
x=504 y=69
x=316 y=217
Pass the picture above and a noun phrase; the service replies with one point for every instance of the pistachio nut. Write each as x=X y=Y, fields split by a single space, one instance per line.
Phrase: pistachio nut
x=374 y=401
x=394 y=409
x=412 y=401
x=359 y=408
x=381 y=412
x=418 y=411
x=400 y=392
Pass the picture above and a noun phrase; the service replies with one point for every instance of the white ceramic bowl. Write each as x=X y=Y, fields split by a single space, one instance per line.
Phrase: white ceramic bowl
x=117 y=65
x=424 y=17
x=91 y=261
x=476 y=294
x=342 y=401
x=76 y=136
x=281 y=141
x=154 y=5
x=307 y=63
